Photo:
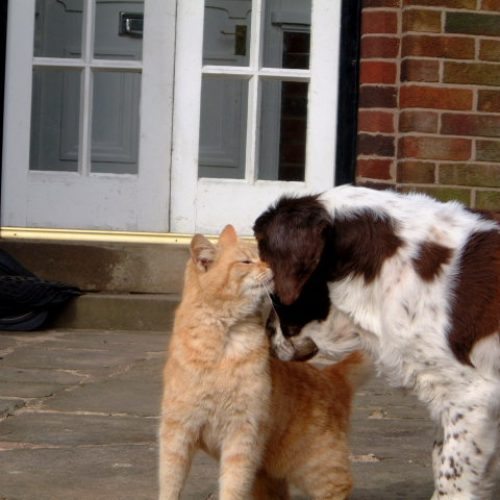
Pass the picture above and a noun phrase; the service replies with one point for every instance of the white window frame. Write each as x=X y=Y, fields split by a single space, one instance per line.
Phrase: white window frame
x=30 y=197
x=196 y=203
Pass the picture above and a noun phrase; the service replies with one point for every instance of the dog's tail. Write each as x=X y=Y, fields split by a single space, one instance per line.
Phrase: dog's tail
x=356 y=367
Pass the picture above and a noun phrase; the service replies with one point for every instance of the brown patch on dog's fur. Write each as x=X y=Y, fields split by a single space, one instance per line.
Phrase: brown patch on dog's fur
x=363 y=242
x=476 y=306
x=431 y=258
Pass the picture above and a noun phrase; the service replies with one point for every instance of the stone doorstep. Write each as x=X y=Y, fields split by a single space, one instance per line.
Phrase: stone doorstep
x=111 y=268
x=127 y=286
x=105 y=311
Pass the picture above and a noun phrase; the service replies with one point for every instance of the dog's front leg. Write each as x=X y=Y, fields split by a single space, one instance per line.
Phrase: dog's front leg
x=463 y=462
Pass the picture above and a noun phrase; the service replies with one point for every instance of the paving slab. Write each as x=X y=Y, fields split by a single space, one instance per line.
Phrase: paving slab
x=34 y=429
x=122 y=340
x=79 y=418
x=92 y=473
x=37 y=375
x=136 y=391
x=95 y=361
x=8 y=406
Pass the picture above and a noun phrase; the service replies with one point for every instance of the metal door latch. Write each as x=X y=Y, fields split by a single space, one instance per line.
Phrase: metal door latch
x=131 y=24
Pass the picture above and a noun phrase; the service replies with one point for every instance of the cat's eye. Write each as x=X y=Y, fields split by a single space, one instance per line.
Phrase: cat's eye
x=246 y=262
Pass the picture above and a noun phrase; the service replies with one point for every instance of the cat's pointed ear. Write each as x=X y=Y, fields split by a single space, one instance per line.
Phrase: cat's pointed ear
x=228 y=236
x=202 y=252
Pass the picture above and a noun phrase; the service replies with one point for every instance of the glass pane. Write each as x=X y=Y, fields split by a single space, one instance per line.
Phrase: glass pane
x=58 y=28
x=287 y=34
x=226 y=32
x=118 y=30
x=283 y=131
x=223 y=128
x=54 y=120
x=115 y=122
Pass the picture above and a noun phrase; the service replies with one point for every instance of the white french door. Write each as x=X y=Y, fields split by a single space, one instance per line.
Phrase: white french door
x=88 y=114
x=255 y=107
x=166 y=115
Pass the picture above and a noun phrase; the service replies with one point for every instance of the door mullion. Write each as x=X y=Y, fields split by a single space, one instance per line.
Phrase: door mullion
x=84 y=155
x=252 y=126
x=254 y=86
x=256 y=34
x=322 y=99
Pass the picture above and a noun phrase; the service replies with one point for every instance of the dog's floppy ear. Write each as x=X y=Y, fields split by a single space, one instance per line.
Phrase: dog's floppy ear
x=202 y=252
x=291 y=236
x=304 y=247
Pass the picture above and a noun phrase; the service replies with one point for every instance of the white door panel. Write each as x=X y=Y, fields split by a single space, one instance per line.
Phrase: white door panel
x=77 y=210
x=204 y=202
x=100 y=115
x=101 y=143
x=235 y=204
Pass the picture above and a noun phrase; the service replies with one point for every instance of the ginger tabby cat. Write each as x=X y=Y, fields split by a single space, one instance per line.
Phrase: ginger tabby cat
x=270 y=423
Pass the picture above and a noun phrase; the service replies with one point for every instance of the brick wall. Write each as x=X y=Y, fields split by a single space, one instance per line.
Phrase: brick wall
x=429 y=104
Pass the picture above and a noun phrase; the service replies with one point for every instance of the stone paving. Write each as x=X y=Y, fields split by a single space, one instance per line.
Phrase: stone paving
x=79 y=416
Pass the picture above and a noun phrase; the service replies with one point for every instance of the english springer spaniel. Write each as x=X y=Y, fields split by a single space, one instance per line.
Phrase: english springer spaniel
x=414 y=281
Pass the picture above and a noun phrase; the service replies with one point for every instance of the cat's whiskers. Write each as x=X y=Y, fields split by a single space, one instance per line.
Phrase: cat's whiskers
x=269 y=293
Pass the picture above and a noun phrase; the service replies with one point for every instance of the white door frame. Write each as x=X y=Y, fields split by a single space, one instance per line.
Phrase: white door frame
x=205 y=205
x=30 y=197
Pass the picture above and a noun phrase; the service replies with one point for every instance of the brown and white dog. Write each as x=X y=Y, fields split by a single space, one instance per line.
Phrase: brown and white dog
x=415 y=282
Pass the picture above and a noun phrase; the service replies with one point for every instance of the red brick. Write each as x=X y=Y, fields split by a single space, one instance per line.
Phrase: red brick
x=418 y=172
x=488 y=200
x=375 y=121
x=472 y=23
x=376 y=145
x=434 y=148
x=452 y=4
x=422 y=20
x=374 y=168
x=471 y=125
x=488 y=151
x=468 y=73
x=418 y=121
x=377 y=72
x=381 y=3
x=419 y=70
x=415 y=96
x=489 y=50
x=489 y=100
x=470 y=174
x=379 y=46
x=493 y=5
x=449 y=47
x=379 y=22
x=377 y=97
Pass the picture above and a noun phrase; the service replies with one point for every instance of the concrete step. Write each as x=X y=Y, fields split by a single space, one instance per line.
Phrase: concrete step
x=116 y=268
x=127 y=286
x=106 y=311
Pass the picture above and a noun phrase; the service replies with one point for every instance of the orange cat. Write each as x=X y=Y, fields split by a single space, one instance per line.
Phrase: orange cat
x=270 y=423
